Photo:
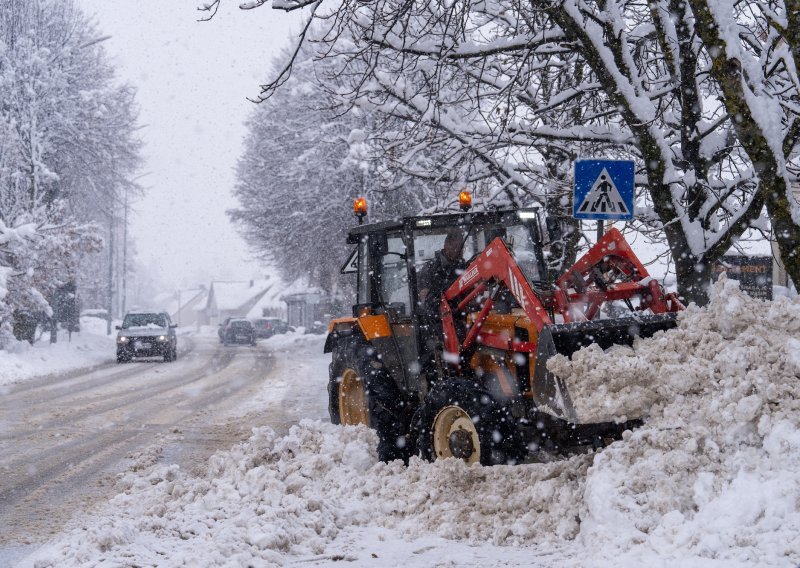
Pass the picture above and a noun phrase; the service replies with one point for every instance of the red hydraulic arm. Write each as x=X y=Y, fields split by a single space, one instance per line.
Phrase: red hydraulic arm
x=495 y=265
x=608 y=271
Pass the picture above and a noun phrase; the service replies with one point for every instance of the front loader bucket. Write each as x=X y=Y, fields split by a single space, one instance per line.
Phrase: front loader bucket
x=549 y=391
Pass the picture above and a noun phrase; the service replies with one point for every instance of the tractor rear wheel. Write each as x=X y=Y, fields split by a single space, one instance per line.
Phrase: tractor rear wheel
x=461 y=421
x=361 y=391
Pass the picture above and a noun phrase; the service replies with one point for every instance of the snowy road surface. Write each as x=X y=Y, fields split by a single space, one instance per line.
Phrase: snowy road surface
x=64 y=438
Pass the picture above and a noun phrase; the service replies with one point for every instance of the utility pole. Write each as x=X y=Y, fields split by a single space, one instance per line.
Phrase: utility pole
x=110 y=304
x=125 y=254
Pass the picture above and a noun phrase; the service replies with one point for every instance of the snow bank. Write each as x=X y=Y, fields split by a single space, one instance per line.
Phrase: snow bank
x=734 y=345
x=291 y=339
x=716 y=469
x=21 y=360
x=711 y=479
x=296 y=495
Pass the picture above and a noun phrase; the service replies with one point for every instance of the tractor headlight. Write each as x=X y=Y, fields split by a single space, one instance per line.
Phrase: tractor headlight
x=122 y=339
x=162 y=338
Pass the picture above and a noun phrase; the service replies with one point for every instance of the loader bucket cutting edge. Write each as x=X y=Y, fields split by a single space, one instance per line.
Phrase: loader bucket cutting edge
x=550 y=392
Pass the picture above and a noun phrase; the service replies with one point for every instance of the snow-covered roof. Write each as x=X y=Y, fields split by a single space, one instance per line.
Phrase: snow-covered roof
x=165 y=301
x=168 y=301
x=192 y=295
x=235 y=295
x=301 y=287
x=274 y=298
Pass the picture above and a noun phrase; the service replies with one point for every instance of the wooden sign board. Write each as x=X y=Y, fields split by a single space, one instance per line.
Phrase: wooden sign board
x=754 y=273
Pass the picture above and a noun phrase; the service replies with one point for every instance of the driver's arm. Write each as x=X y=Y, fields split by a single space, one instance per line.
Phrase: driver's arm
x=424 y=280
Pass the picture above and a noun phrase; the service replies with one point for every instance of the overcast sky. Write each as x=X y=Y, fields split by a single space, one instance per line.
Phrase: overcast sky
x=192 y=79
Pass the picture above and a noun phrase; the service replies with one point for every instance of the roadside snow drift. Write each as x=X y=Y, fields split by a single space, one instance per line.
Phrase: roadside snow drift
x=713 y=478
x=20 y=360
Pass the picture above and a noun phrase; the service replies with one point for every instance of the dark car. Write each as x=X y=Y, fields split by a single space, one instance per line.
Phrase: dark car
x=279 y=326
x=267 y=327
x=239 y=331
x=147 y=334
x=222 y=328
x=263 y=328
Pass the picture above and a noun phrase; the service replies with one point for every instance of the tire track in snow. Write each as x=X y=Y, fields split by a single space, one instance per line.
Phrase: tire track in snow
x=40 y=489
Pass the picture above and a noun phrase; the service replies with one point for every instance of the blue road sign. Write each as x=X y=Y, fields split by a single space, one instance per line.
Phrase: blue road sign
x=603 y=189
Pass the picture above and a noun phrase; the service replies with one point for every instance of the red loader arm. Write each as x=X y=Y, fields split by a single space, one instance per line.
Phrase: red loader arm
x=493 y=267
x=608 y=271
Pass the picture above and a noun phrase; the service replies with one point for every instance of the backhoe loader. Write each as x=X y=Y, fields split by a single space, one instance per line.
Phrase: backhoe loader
x=475 y=384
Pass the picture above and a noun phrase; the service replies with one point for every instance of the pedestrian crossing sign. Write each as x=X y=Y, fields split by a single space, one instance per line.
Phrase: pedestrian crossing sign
x=603 y=189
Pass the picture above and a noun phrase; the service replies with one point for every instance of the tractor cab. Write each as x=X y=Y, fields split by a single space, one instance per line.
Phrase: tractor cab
x=388 y=255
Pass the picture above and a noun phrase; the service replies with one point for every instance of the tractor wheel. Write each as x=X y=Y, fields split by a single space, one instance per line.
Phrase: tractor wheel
x=361 y=391
x=461 y=421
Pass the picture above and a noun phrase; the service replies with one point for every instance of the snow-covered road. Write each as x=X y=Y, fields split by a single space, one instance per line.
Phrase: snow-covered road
x=64 y=438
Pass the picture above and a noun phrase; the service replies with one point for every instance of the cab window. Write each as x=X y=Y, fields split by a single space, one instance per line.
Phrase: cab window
x=394 y=275
x=364 y=289
x=428 y=242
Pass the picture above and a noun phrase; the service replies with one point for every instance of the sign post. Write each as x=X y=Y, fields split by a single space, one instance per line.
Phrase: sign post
x=603 y=190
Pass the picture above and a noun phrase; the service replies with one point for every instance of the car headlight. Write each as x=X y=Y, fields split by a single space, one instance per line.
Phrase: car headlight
x=122 y=339
x=162 y=337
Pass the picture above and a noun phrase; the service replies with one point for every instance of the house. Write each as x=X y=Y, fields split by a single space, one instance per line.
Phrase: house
x=181 y=305
x=187 y=313
x=234 y=299
x=307 y=306
x=270 y=304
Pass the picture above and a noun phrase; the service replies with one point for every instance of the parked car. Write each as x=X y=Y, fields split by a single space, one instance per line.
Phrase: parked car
x=317 y=328
x=263 y=328
x=279 y=326
x=267 y=327
x=222 y=328
x=239 y=331
x=147 y=334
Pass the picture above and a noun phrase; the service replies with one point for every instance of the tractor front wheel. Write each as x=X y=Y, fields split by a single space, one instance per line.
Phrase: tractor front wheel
x=361 y=391
x=461 y=421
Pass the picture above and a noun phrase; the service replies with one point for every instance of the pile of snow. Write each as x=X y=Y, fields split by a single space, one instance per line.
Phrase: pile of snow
x=20 y=360
x=738 y=345
x=716 y=468
x=298 y=494
x=712 y=478
x=291 y=339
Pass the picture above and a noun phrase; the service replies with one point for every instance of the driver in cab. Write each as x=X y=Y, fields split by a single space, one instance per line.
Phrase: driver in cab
x=438 y=274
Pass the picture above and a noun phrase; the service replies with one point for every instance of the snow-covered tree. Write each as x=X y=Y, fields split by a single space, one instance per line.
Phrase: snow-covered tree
x=522 y=89
x=754 y=51
x=39 y=257
x=67 y=148
x=305 y=160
